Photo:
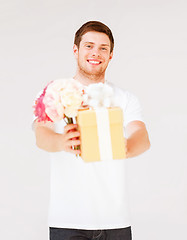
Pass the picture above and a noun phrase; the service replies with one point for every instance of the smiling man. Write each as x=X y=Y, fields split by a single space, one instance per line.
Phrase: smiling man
x=93 y=56
x=89 y=200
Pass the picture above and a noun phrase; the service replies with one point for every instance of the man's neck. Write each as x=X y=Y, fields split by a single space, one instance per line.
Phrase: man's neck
x=86 y=80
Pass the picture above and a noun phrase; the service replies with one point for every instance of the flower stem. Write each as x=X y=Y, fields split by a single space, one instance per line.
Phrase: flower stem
x=70 y=121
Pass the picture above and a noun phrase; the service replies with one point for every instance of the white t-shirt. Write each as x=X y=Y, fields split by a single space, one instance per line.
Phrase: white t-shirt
x=91 y=195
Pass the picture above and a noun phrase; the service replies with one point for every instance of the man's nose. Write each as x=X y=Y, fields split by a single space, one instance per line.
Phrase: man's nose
x=96 y=52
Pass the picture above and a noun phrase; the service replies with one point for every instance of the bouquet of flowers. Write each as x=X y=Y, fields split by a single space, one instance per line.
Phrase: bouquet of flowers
x=62 y=98
x=59 y=100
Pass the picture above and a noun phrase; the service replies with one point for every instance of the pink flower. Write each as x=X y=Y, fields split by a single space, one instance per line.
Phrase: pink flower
x=53 y=108
x=39 y=108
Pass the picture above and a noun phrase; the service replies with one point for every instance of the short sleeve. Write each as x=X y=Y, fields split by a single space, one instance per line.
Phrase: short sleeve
x=133 y=110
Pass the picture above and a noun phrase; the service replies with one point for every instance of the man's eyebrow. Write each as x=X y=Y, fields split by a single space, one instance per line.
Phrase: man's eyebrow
x=103 y=44
x=88 y=42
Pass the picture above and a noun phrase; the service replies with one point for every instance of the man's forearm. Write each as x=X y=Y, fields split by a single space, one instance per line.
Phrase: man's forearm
x=137 y=143
x=48 y=140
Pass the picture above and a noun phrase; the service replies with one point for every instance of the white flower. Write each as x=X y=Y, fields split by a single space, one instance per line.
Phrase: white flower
x=63 y=97
x=99 y=95
x=71 y=99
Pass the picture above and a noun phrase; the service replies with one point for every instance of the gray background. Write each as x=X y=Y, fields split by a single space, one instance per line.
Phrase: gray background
x=150 y=59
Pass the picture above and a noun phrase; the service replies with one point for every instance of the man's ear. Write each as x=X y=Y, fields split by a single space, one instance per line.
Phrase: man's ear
x=111 y=55
x=75 y=50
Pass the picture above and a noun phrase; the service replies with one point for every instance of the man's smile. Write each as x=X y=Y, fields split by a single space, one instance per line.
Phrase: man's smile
x=93 y=61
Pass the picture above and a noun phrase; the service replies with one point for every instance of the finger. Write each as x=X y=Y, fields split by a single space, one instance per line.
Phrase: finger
x=73 y=143
x=69 y=127
x=71 y=135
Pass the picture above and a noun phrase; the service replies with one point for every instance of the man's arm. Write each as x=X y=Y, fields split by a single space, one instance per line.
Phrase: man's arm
x=137 y=139
x=48 y=140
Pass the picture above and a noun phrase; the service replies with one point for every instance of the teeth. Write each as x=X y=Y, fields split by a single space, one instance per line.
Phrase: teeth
x=94 y=62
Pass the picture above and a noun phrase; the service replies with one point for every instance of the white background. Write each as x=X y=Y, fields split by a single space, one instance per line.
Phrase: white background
x=150 y=60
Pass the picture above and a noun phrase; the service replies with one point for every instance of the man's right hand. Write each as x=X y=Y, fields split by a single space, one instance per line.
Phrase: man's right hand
x=71 y=138
x=48 y=140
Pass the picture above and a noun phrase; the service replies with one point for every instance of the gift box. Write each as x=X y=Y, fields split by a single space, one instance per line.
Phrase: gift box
x=101 y=134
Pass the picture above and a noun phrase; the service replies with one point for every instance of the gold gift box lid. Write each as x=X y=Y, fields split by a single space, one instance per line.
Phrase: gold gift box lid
x=87 y=117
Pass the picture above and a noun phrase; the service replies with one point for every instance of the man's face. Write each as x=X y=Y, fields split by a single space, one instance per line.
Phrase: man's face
x=93 y=54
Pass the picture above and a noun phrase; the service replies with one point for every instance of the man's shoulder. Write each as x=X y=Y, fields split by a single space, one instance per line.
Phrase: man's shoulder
x=120 y=91
x=124 y=97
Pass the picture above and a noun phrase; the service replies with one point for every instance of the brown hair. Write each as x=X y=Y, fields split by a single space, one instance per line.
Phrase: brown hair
x=93 y=26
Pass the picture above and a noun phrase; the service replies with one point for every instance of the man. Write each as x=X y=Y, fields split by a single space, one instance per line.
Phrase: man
x=88 y=200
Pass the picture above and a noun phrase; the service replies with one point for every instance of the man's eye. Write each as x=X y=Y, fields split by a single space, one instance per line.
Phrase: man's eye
x=88 y=46
x=104 y=49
